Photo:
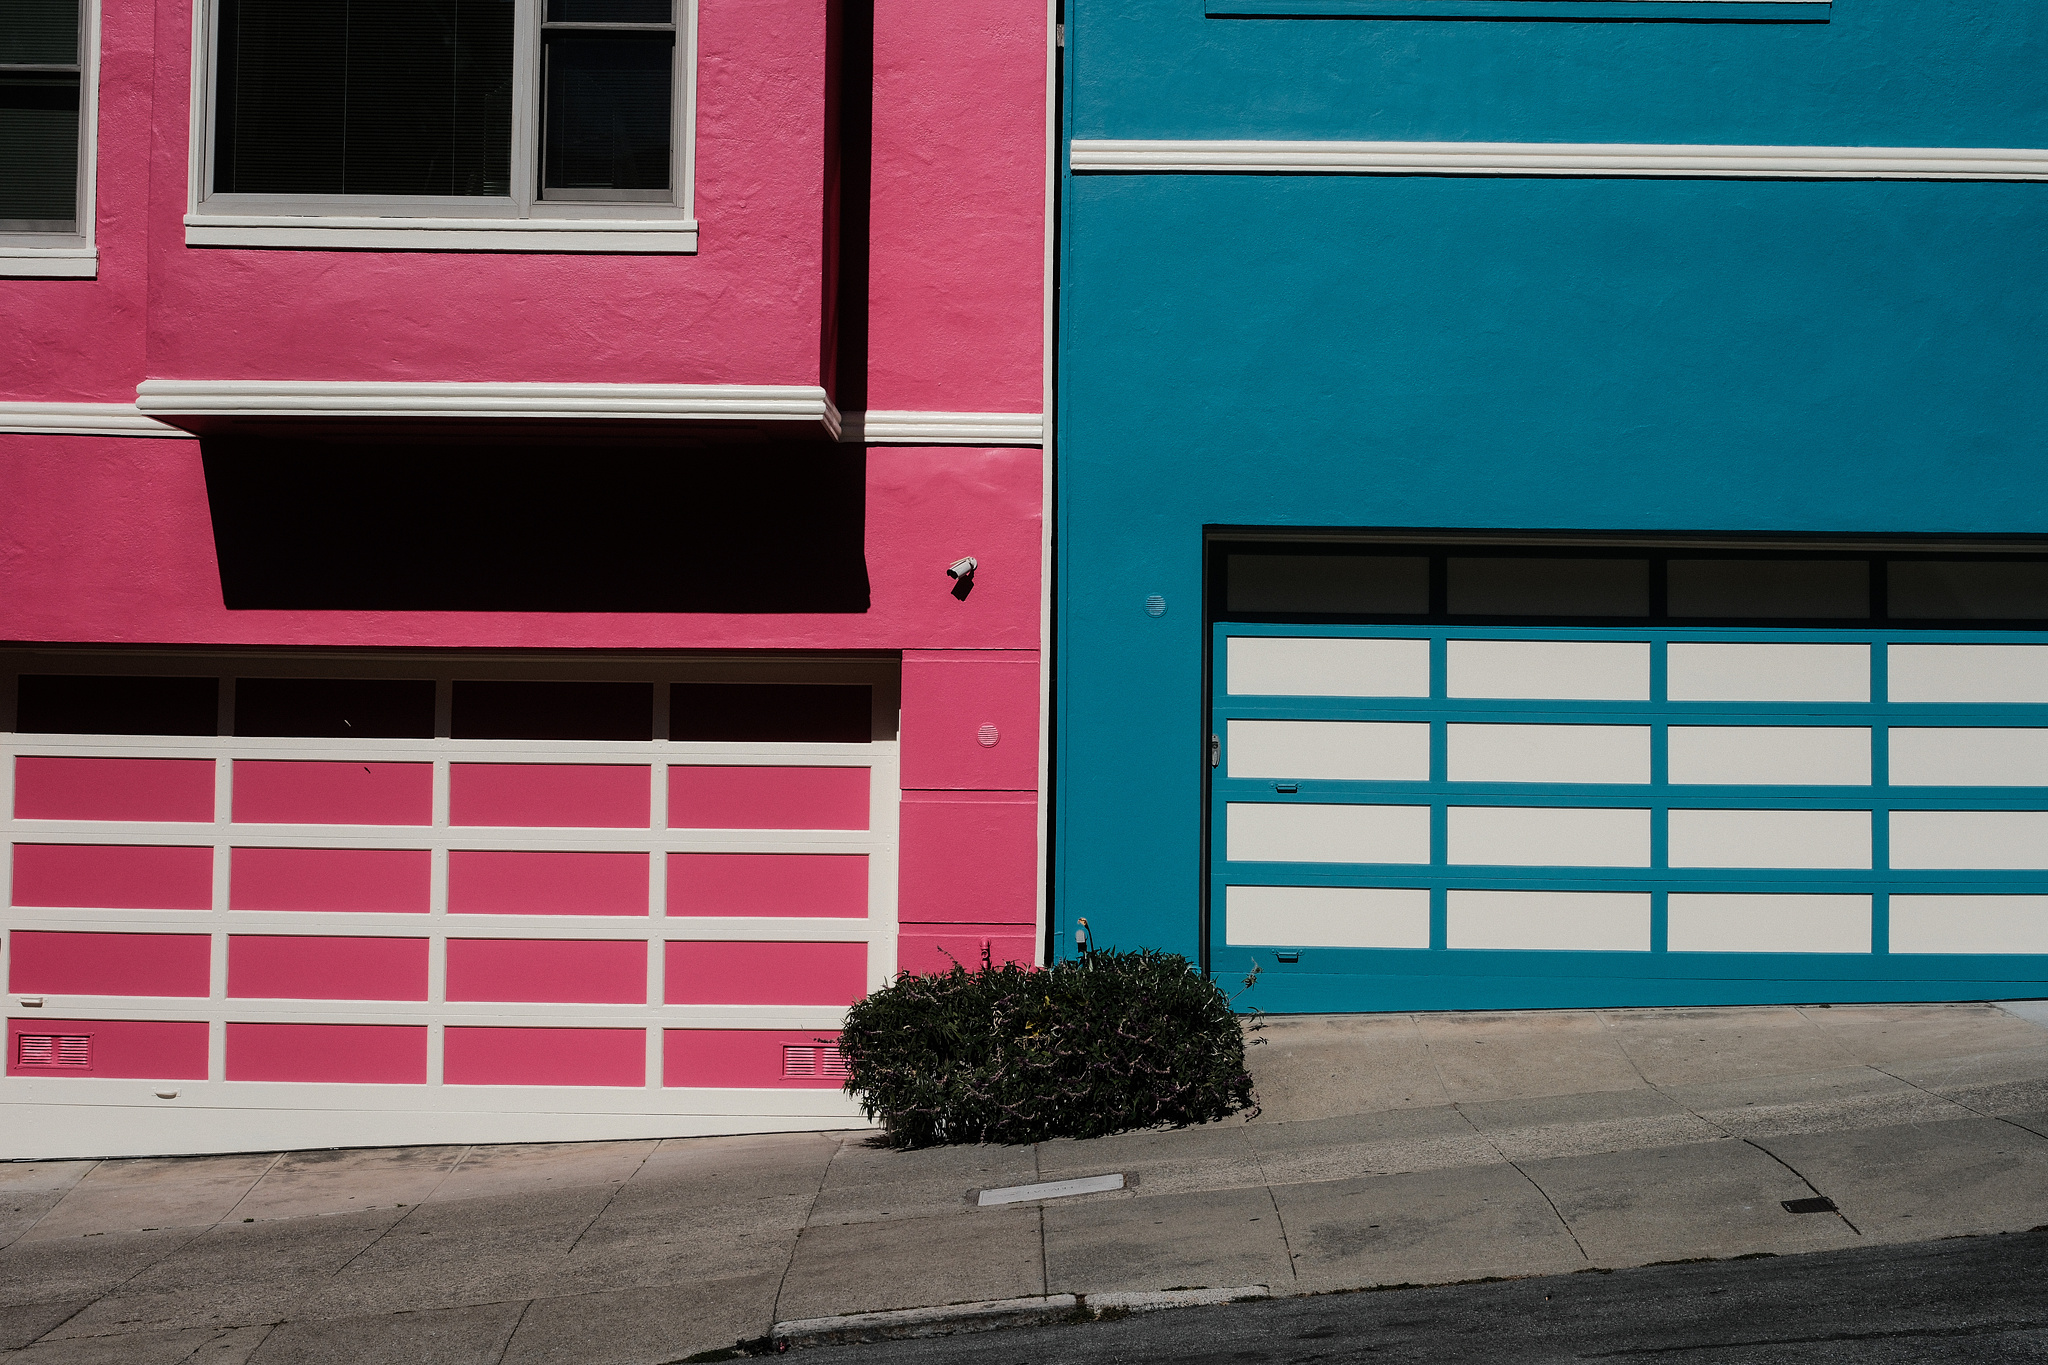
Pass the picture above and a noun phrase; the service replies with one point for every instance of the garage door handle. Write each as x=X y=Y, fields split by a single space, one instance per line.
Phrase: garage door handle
x=1215 y=750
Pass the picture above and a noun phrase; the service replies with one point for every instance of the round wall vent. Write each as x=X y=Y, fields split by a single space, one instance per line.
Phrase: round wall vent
x=988 y=735
x=1155 y=605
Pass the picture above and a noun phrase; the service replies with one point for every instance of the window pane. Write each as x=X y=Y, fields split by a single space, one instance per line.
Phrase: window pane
x=1775 y=588
x=39 y=150
x=69 y=704
x=553 y=710
x=41 y=31
x=429 y=97
x=607 y=110
x=610 y=11
x=749 y=713
x=1982 y=590
x=1549 y=587
x=364 y=97
x=1339 y=584
x=335 y=708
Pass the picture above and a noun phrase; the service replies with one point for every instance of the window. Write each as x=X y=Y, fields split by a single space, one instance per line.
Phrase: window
x=522 y=125
x=1318 y=580
x=46 y=104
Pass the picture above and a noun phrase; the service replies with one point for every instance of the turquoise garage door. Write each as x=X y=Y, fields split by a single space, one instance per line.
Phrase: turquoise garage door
x=1436 y=815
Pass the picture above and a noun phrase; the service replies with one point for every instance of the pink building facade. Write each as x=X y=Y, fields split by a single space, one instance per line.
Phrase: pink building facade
x=481 y=661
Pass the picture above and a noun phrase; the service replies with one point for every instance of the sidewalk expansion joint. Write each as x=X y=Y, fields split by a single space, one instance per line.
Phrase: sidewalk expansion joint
x=1038 y=1310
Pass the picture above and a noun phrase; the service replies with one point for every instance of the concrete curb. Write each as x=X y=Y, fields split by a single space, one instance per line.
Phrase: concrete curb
x=992 y=1315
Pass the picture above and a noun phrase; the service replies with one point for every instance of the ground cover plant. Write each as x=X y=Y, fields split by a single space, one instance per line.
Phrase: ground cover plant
x=1107 y=1042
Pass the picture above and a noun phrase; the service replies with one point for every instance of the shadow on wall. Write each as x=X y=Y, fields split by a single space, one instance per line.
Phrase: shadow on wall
x=762 y=527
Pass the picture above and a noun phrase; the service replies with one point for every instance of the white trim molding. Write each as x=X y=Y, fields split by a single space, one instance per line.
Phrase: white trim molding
x=621 y=236
x=71 y=262
x=183 y=400
x=944 y=428
x=1561 y=159
x=81 y=419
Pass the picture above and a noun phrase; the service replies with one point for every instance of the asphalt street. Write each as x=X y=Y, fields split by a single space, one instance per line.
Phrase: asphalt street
x=1961 y=1299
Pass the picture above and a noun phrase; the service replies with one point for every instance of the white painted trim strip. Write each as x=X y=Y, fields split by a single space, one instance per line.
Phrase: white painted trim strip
x=640 y=236
x=50 y=262
x=81 y=419
x=1563 y=159
x=354 y=398
x=1050 y=1189
x=944 y=428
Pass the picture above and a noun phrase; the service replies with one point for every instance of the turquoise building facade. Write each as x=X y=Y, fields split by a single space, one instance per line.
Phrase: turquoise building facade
x=1552 y=505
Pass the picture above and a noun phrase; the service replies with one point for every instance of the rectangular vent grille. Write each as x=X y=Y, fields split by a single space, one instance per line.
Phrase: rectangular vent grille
x=813 y=1061
x=54 y=1050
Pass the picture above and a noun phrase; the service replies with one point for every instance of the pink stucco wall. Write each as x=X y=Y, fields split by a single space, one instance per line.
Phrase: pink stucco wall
x=957 y=238
x=955 y=292
x=110 y=539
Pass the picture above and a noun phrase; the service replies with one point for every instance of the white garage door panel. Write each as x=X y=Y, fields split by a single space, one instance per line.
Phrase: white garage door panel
x=1549 y=753
x=1980 y=840
x=1544 y=670
x=1328 y=916
x=1549 y=836
x=1969 y=924
x=1347 y=751
x=1763 y=672
x=1770 y=838
x=1287 y=833
x=1964 y=756
x=1968 y=673
x=1585 y=921
x=1769 y=755
x=1283 y=667
x=1768 y=924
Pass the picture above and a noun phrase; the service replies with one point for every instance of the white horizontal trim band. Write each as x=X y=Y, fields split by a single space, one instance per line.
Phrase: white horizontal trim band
x=1563 y=159
x=82 y=419
x=50 y=262
x=442 y=234
x=661 y=402
x=944 y=428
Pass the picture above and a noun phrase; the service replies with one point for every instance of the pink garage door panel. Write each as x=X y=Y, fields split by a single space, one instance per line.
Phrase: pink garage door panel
x=490 y=882
x=353 y=1054
x=302 y=967
x=109 y=964
x=305 y=793
x=544 y=1056
x=834 y=885
x=384 y=881
x=743 y=1058
x=704 y=973
x=114 y=876
x=925 y=948
x=559 y=971
x=137 y=1049
x=969 y=857
x=705 y=797
x=549 y=795
x=113 y=788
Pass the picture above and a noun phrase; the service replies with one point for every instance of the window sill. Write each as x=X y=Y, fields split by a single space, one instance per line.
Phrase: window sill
x=49 y=262
x=1710 y=11
x=609 y=235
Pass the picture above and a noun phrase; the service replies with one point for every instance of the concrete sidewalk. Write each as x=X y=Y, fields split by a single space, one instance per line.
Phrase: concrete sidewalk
x=1392 y=1149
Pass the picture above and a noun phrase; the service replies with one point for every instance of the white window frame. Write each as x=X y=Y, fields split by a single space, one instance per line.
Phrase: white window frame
x=520 y=221
x=69 y=255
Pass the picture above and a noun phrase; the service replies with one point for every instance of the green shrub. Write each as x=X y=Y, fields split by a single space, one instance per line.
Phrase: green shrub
x=1110 y=1042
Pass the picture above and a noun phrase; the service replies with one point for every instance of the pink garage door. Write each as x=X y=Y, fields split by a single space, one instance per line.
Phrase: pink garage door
x=578 y=894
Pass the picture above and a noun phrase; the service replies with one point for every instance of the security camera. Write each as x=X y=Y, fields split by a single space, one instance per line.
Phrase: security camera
x=961 y=568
